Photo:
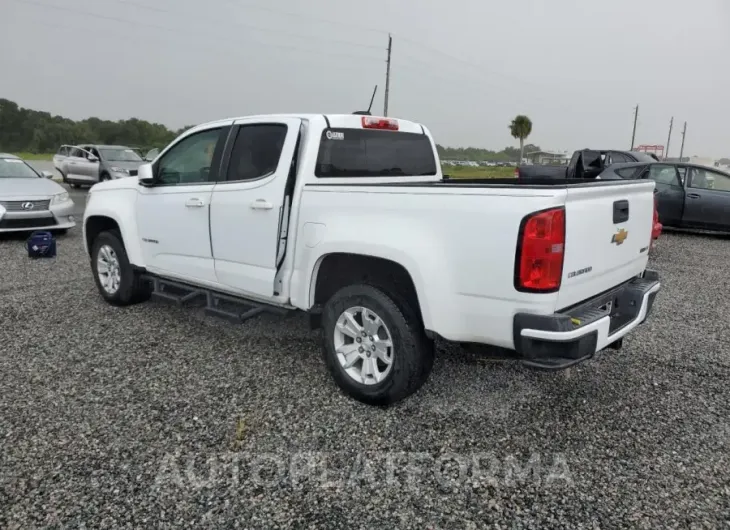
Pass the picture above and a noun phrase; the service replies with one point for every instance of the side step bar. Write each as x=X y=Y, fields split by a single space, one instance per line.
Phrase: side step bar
x=236 y=310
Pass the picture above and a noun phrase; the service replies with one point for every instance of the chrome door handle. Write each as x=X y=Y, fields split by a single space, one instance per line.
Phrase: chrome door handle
x=194 y=203
x=261 y=204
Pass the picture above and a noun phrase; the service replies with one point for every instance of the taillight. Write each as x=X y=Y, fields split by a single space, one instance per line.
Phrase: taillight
x=540 y=251
x=517 y=172
x=373 y=122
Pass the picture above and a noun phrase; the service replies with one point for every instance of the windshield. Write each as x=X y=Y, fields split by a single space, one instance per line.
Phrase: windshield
x=13 y=168
x=119 y=155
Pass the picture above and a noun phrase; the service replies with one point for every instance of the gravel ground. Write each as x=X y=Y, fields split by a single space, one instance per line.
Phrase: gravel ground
x=155 y=416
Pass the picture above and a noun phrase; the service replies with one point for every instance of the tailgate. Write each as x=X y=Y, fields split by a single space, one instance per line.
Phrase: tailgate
x=607 y=236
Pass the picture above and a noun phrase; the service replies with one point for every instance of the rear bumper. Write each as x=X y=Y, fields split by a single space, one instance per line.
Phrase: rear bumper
x=563 y=339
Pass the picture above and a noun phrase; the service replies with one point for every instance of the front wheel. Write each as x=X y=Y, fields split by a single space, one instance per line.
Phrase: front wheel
x=118 y=283
x=374 y=347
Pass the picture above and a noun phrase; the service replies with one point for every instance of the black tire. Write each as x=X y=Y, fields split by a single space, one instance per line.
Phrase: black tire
x=132 y=289
x=63 y=177
x=104 y=177
x=73 y=185
x=412 y=350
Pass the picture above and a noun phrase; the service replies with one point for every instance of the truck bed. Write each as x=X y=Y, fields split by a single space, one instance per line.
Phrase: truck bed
x=541 y=171
x=466 y=232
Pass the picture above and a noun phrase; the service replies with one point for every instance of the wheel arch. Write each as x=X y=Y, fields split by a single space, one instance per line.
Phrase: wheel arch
x=95 y=225
x=336 y=270
x=114 y=209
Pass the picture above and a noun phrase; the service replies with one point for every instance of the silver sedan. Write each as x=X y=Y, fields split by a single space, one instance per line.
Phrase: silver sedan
x=30 y=200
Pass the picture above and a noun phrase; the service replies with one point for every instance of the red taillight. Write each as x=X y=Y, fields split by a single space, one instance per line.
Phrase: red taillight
x=656 y=227
x=517 y=172
x=540 y=251
x=372 y=122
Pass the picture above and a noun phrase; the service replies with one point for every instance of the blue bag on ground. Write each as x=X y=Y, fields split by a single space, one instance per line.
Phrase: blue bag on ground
x=41 y=245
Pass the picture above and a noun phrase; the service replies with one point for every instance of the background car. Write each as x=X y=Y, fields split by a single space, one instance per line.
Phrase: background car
x=688 y=195
x=88 y=164
x=30 y=200
x=585 y=163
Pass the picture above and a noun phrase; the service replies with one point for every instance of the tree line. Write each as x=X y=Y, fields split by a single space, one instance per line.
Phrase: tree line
x=476 y=154
x=33 y=131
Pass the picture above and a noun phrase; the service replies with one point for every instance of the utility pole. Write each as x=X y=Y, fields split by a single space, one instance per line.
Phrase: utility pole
x=666 y=151
x=681 y=150
x=387 y=76
x=633 y=134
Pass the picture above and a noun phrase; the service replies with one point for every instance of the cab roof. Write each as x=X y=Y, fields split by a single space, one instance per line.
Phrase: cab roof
x=345 y=121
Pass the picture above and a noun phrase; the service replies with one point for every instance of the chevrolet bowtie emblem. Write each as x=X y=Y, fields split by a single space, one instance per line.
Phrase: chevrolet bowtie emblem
x=619 y=237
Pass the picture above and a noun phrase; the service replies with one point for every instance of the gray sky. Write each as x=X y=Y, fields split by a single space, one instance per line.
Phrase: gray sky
x=462 y=67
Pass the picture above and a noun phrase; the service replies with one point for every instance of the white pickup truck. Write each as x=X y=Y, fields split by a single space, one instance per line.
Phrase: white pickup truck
x=349 y=218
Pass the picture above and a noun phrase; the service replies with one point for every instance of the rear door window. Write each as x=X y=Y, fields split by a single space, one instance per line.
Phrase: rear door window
x=618 y=158
x=256 y=151
x=664 y=174
x=374 y=153
x=629 y=172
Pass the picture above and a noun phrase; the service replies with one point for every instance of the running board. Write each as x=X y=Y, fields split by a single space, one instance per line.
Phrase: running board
x=236 y=310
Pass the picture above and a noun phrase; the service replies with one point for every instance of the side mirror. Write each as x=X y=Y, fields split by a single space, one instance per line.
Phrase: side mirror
x=47 y=174
x=145 y=175
x=92 y=158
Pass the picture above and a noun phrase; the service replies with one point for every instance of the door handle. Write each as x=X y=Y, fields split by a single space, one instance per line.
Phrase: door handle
x=261 y=204
x=194 y=203
x=693 y=195
x=620 y=211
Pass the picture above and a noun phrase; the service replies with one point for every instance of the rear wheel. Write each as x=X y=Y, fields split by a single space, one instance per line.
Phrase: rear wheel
x=375 y=348
x=117 y=281
x=104 y=176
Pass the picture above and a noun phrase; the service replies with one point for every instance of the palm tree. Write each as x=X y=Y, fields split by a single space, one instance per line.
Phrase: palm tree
x=521 y=127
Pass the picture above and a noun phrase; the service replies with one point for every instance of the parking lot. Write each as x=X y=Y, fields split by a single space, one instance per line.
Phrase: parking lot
x=155 y=415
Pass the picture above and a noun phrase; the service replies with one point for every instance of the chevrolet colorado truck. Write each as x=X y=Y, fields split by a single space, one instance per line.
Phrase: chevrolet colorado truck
x=349 y=218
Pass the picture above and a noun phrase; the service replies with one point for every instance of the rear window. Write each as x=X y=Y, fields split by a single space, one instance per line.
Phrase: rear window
x=373 y=153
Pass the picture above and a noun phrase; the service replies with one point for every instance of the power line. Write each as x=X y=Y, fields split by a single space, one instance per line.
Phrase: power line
x=250 y=26
x=178 y=32
x=305 y=15
x=203 y=48
x=354 y=26
x=477 y=76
